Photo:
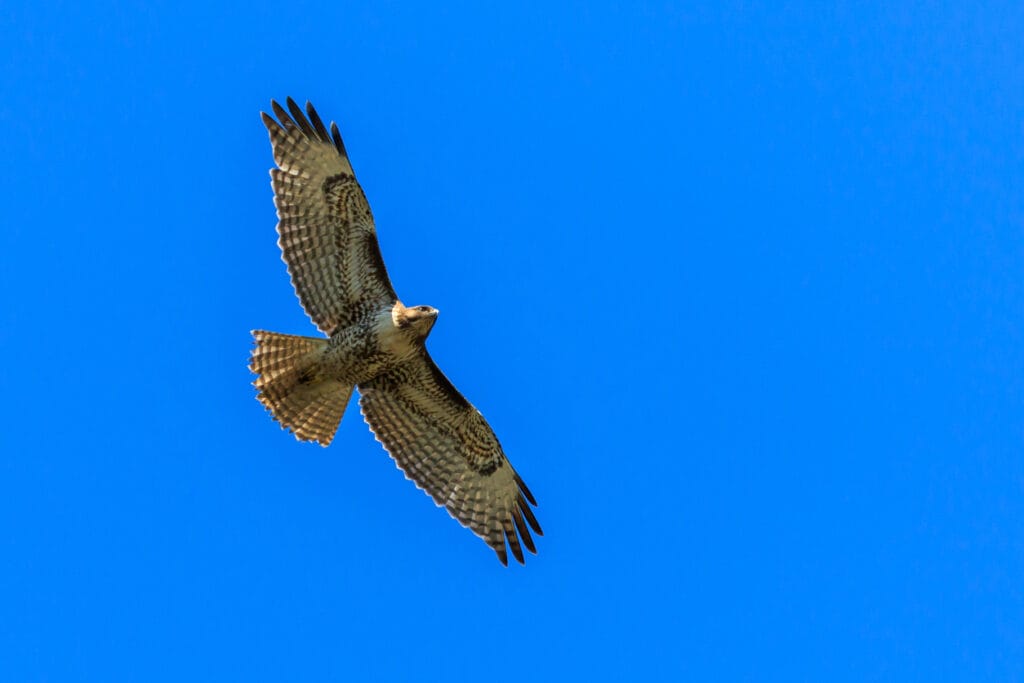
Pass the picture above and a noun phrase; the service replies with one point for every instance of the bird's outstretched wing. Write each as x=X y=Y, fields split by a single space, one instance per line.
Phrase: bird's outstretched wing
x=327 y=236
x=446 y=447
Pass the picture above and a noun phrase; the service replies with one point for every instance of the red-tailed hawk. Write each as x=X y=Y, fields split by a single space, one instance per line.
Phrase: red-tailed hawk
x=437 y=438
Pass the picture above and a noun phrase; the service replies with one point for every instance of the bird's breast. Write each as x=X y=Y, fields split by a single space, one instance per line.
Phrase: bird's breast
x=367 y=348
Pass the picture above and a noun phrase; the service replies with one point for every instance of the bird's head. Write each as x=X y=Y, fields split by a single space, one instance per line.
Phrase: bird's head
x=418 y=319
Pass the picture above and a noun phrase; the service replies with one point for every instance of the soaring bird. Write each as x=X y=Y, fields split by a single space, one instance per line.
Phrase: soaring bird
x=374 y=343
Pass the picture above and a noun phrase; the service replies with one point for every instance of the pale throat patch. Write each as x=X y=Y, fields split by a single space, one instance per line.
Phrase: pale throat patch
x=396 y=311
x=390 y=336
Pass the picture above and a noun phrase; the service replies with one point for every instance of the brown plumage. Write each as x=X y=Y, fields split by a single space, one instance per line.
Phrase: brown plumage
x=375 y=343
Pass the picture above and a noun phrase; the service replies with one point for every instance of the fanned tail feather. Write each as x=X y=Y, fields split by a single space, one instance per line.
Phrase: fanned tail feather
x=289 y=387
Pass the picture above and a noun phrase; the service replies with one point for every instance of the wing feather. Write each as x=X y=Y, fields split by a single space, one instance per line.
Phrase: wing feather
x=441 y=442
x=336 y=136
x=326 y=229
x=318 y=125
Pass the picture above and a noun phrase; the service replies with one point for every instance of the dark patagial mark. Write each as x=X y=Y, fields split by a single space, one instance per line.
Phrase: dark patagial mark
x=376 y=258
x=449 y=389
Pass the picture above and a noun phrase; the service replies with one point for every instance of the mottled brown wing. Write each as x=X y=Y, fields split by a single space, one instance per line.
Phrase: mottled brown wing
x=327 y=236
x=446 y=447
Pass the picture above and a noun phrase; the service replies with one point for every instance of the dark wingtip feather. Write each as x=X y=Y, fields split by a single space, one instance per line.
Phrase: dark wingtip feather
x=300 y=118
x=502 y=555
x=338 y=144
x=528 y=514
x=269 y=122
x=281 y=114
x=318 y=125
x=524 y=533
x=525 y=490
x=513 y=543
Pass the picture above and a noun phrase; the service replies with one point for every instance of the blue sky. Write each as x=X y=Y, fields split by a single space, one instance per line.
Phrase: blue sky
x=738 y=285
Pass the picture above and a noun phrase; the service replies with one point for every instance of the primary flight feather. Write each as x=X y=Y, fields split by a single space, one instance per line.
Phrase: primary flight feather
x=374 y=343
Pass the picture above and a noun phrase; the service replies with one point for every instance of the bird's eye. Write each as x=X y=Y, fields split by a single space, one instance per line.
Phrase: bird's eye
x=424 y=308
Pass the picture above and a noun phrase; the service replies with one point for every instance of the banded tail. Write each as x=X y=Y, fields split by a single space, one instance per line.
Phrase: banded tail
x=289 y=387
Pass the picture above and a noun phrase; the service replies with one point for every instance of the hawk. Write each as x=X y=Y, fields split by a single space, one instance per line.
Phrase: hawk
x=374 y=343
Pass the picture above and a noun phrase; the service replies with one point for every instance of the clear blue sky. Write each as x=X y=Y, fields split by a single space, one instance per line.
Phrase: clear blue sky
x=739 y=287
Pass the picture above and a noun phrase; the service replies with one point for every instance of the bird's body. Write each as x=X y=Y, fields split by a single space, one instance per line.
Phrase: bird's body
x=375 y=343
x=369 y=346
